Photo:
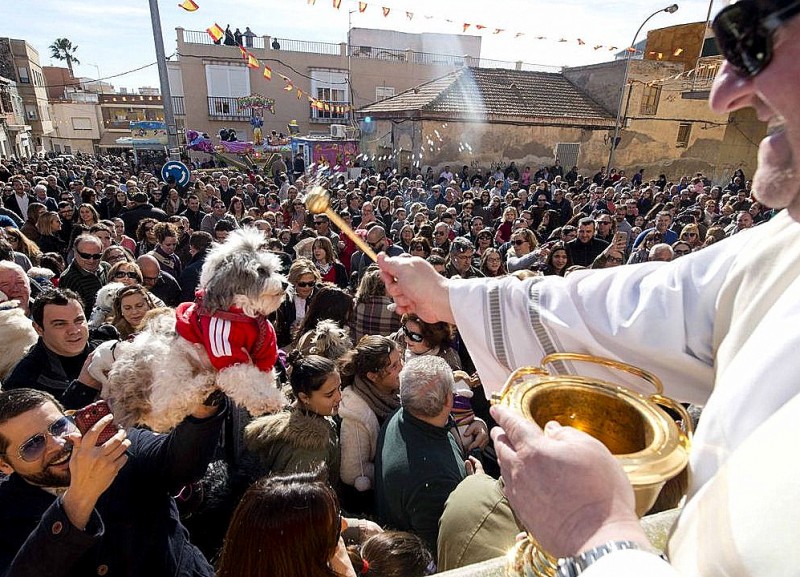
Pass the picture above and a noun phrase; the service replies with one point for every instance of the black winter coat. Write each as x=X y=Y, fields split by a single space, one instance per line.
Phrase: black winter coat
x=135 y=528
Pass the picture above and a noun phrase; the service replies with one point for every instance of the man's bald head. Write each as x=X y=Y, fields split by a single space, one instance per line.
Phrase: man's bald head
x=150 y=269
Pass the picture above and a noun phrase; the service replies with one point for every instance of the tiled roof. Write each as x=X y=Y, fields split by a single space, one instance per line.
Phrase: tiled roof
x=495 y=94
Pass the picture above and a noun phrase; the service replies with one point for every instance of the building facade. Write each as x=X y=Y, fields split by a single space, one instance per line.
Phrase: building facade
x=208 y=78
x=19 y=61
x=15 y=134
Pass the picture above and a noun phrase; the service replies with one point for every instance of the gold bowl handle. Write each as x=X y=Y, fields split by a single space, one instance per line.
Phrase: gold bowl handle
x=620 y=366
x=687 y=428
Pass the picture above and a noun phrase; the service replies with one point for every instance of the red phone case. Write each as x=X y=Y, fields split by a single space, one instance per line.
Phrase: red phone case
x=86 y=417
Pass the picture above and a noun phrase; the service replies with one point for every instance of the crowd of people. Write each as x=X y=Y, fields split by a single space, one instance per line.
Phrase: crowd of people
x=375 y=426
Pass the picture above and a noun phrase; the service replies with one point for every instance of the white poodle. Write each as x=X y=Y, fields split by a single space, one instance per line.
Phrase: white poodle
x=221 y=341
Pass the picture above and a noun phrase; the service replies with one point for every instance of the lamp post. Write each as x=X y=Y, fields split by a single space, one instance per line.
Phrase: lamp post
x=671 y=9
x=166 y=95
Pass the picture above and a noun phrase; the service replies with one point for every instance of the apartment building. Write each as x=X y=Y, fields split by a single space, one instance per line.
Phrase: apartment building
x=208 y=79
x=19 y=61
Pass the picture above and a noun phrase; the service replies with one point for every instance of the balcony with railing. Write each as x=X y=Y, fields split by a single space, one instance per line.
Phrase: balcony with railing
x=327 y=116
x=704 y=74
x=178 y=106
x=368 y=52
x=224 y=108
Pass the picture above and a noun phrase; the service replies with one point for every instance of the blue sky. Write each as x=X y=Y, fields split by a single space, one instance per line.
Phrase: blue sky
x=116 y=36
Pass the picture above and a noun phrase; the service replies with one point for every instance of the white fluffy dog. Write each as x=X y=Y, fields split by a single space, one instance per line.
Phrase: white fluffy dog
x=18 y=334
x=222 y=341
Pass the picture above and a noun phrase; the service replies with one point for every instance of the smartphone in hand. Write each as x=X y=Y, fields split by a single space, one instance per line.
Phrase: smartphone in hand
x=86 y=418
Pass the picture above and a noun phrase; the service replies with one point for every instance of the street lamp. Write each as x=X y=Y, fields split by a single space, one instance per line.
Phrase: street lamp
x=671 y=9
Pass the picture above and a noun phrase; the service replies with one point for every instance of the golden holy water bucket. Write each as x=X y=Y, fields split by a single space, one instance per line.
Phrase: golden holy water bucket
x=646 y=441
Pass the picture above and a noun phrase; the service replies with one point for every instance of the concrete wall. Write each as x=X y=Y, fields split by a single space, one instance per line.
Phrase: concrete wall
x=688 y=38
x=601 y=82
x=452 y=44
x=479 y=145
x=66 y=135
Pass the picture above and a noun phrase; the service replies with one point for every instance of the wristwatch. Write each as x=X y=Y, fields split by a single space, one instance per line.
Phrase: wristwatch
x=574 y=566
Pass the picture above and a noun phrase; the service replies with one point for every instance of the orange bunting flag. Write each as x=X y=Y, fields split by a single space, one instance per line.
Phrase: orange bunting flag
x=268 y=73
x=480 y=26
x=299 y=94
x=466 y=26
x=581 y=42
x=189 y=5
x=288 y=88
x=632 y=50
x=327 y=107
x=410 y=15
x=386 y=11
x=252 y=62
x=337 y=4
x=215 y=32
x=362 y=6
x=678 y=52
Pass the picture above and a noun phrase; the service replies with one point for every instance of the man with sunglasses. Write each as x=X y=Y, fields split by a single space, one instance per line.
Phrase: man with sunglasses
x=86 y=274
x=705 y=323
x=73 y=507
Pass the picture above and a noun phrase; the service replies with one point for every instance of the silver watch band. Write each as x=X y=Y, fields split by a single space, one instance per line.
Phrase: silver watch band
x=574 y=566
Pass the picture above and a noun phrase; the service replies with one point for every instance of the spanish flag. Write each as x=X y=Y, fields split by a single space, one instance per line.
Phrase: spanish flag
x=252 y=61
x=189 y=5
x=215 y=32
x=267 y=72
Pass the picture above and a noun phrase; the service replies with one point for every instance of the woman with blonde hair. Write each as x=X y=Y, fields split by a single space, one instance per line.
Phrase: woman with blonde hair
x=522 y=256
x=303 y=279
x=690 y=234
x=49 y=227
x=24 y=246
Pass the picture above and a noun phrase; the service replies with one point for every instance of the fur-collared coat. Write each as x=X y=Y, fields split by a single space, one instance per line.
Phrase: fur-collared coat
x=293 y=440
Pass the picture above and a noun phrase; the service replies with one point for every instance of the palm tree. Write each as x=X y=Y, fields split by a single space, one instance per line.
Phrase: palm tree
x=62 y=49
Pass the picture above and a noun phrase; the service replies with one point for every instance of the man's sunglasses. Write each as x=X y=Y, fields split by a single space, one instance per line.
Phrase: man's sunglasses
x=89 y=255
x=412 y=336
x=304 y=284
x=744 y=32
x=32 y=449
